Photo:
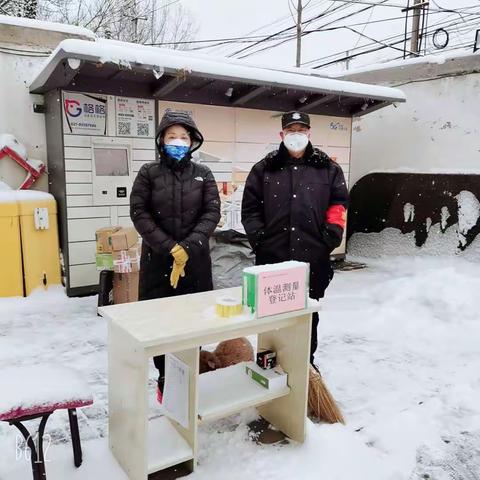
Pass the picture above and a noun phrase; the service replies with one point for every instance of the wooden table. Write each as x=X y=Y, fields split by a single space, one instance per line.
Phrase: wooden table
x=141 y=330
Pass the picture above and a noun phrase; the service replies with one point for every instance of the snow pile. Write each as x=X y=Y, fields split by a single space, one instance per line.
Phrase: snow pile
x=274 y=267
x=13 y=196
x=330 y=452
x=445 y=215
x=433 y=59
x=441 y=241
x=8 y=140
x=36 y=387
x=49 y=26
x=468 y=213
x=398 y=349
x=390 y=242
x=35 y=164
x=408 y=212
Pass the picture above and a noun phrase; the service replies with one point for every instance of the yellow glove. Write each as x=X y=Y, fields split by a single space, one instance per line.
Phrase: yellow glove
x=180 y=257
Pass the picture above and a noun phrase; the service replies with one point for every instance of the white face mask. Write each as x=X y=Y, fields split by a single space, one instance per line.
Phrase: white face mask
x=296 y=142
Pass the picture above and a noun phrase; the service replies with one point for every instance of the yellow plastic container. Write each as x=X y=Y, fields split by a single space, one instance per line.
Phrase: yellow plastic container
x=39 y=232
x=11 y=272
x=29 y=247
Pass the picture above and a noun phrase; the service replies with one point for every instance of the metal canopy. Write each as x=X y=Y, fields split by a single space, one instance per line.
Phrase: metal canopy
x=118 y=68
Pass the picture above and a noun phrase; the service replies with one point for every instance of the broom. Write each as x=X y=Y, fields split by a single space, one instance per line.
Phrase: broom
x=321 y=404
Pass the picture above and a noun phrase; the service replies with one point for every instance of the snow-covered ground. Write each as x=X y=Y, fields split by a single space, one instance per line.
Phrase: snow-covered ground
x=399 y=349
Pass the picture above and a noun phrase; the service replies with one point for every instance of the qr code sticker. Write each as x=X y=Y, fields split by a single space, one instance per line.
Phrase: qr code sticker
x=142 y=129
x=124 y=128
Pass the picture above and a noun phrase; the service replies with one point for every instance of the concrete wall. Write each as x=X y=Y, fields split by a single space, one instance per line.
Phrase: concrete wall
x=17 y=117
x=21 y=44
x=436 y=131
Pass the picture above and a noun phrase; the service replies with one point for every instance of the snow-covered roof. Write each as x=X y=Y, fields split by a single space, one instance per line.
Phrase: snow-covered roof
x=71 y=30
x=183 y=76
x=403 y=71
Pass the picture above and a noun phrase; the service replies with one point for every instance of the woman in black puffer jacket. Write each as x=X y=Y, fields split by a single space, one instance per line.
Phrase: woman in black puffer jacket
x=175 y=207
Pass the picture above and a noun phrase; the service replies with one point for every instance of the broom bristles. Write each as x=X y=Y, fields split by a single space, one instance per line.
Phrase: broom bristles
x=321 y=404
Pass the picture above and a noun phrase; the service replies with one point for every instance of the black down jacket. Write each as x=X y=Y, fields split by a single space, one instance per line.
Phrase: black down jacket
x=175 y=202
x=283 y=211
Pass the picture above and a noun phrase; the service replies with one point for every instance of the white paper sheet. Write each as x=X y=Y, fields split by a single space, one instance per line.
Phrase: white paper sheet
x=176 y=390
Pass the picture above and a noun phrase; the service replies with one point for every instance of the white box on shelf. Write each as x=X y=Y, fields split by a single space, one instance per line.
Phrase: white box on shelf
x=228 y=390
x=272 y=379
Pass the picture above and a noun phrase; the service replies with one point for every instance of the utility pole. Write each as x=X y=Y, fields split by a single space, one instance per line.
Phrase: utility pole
x=299 y=33
x=415 y=42
x=153 y=21
x=135 y=21
x=135 y=17
x=418 y=34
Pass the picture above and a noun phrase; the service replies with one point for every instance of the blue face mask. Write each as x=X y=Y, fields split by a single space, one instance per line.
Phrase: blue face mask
x=176 y=151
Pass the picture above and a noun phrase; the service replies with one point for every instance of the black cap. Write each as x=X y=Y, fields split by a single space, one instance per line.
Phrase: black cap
x=290 y=118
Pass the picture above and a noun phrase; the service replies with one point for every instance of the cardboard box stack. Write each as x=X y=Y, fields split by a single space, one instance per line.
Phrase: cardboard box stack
x=104 y=259
x=118 y=250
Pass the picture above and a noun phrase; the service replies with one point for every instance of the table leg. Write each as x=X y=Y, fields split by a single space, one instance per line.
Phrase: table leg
x=292 y=345
x=128 y=404
x=191 y=358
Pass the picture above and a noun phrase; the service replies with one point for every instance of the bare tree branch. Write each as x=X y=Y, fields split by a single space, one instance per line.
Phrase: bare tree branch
x=141 y=21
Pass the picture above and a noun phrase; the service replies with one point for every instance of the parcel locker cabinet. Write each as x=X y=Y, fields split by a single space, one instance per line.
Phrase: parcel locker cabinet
x=92 y=164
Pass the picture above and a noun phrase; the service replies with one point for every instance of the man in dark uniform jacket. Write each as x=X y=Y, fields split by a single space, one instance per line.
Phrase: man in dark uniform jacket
x=294 y=207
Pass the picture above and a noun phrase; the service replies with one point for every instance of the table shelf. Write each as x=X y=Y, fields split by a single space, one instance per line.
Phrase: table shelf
x=142 y=330
x=166 y=447
x=229 y=390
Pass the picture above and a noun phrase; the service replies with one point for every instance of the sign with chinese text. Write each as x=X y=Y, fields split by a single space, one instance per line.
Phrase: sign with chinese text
x=135 y=117
x=276 y=288
x=281 y=291
x=84 y=114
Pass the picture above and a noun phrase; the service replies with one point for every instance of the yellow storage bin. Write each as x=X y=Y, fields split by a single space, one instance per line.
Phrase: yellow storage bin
x=28 y=242
x=39 y=232
x=11 y=272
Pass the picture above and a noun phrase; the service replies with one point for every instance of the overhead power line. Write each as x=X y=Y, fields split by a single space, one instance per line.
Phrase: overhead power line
x=276 y=37
x=446 y=23
x=254 y=38
x=381 y=47
x=351 y=14
x=346 y=5
x=273 y=35
x=284 y=19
